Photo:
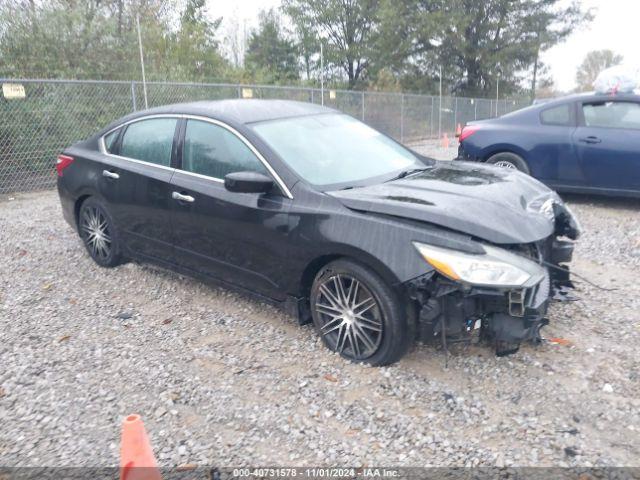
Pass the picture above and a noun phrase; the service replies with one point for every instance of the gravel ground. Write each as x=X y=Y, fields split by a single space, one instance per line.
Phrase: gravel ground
x=434 y=149
x=221 y=379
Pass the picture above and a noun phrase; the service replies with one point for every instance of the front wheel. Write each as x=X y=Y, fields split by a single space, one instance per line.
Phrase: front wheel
x=509 y=160
x=357 y=315
x=99 y=234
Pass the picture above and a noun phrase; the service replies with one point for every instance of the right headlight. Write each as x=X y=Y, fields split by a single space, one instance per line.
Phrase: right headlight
x=494 y=268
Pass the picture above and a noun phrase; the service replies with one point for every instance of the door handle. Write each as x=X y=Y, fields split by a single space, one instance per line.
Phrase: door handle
x=182 y=198
x=108 y=174
x=590 y=139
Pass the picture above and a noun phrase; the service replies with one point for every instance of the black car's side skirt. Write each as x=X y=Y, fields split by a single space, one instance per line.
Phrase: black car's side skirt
x=207 y=279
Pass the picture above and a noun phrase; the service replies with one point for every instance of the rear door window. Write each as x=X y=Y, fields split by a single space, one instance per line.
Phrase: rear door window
x=560 y=115
x=214 y=151
x=149 y=140
x=612 y=115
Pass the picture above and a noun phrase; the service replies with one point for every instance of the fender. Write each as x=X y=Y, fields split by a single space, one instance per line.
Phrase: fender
x=491 y=150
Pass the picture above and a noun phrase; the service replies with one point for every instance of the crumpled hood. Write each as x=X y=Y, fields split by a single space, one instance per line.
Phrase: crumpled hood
x=494 y=204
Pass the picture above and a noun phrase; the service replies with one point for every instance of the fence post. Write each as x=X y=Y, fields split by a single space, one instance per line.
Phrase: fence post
x=312 y=101
x=475 y=109
x=402 y=118
x=363 y=105
x=455 y=115
x=440 y=118
x=431 y=119
x=239 y=91
x=133 y=96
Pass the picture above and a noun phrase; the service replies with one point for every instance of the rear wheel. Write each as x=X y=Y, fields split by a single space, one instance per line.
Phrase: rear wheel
x=99 y=234
x=357 y=315
x=509 y=160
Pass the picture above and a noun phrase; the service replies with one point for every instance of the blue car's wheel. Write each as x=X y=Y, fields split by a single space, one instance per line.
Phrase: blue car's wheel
x=509 y=160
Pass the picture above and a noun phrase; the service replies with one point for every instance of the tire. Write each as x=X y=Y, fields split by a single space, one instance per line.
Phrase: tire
x=364 y=321
x=509 y=160
x=98 y=233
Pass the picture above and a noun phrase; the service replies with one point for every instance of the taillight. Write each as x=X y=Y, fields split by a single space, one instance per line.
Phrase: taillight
x=63 y=162
x=467 y=131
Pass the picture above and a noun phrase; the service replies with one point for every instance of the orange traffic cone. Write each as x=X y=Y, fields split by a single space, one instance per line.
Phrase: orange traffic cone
x=136 y=455
x=458 y=130
x=444 y=143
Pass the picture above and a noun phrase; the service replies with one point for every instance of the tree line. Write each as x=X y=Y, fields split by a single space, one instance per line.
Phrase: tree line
x=366 y=44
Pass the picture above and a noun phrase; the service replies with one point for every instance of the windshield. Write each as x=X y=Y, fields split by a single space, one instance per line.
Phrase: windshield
x=333 y=149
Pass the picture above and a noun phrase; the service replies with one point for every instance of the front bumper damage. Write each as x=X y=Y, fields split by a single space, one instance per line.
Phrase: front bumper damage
x=451 y=312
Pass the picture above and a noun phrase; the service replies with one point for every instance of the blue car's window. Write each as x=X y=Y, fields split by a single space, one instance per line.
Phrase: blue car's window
x=612 y=115
x=214 y=151
x=560 y=115
x=329 y=149
x=149 y=140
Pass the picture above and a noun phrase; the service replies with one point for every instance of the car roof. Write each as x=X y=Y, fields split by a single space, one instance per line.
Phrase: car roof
x=241 y=110
x=589 y=96
x=544 y=104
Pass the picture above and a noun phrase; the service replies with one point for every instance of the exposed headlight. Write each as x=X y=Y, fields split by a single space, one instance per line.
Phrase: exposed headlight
x=496 y=267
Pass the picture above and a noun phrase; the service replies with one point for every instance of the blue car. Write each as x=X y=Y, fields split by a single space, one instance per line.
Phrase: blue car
x=584 y=143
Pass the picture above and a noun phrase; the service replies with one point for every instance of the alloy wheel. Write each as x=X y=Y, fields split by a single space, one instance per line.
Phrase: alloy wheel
x=350 y=317
x=505 y=164
x=95 y=232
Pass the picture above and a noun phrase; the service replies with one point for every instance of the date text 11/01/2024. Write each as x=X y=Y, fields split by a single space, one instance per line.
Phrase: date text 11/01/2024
x=315 y=472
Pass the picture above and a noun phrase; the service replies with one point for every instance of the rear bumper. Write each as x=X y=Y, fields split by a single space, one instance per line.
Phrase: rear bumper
x=465 y=156
x=67 y=202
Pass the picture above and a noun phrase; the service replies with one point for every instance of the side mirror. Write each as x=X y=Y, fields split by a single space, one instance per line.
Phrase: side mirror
x=248 y=182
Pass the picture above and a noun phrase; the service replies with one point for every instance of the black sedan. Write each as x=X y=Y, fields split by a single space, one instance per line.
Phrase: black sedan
x=308 y=207
x=585 y=143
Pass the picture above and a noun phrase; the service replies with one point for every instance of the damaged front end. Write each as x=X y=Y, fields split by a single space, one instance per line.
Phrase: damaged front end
x=500 y=297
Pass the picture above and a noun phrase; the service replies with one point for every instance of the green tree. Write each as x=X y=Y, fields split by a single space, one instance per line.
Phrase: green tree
x=594 y=62
x=269 y=53
x=549 y=26
x=97 y=39
x=308 y=45
x=347 y=29
x=195 y=50
x=55 y=38
x=475 y=43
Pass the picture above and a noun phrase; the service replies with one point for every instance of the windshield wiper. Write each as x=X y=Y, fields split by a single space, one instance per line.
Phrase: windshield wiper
x=406 y=173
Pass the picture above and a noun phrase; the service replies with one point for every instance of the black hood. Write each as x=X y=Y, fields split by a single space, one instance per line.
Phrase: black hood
x=490 y=203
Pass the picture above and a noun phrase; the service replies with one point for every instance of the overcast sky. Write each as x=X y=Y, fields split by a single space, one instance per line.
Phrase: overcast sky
x=616 y=26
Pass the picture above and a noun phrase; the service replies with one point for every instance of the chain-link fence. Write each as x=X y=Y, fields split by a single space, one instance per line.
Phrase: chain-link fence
x=53 y=114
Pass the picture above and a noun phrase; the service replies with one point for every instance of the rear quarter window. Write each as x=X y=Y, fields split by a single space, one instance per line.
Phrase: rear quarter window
x=110 y=141
x=560 y=115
